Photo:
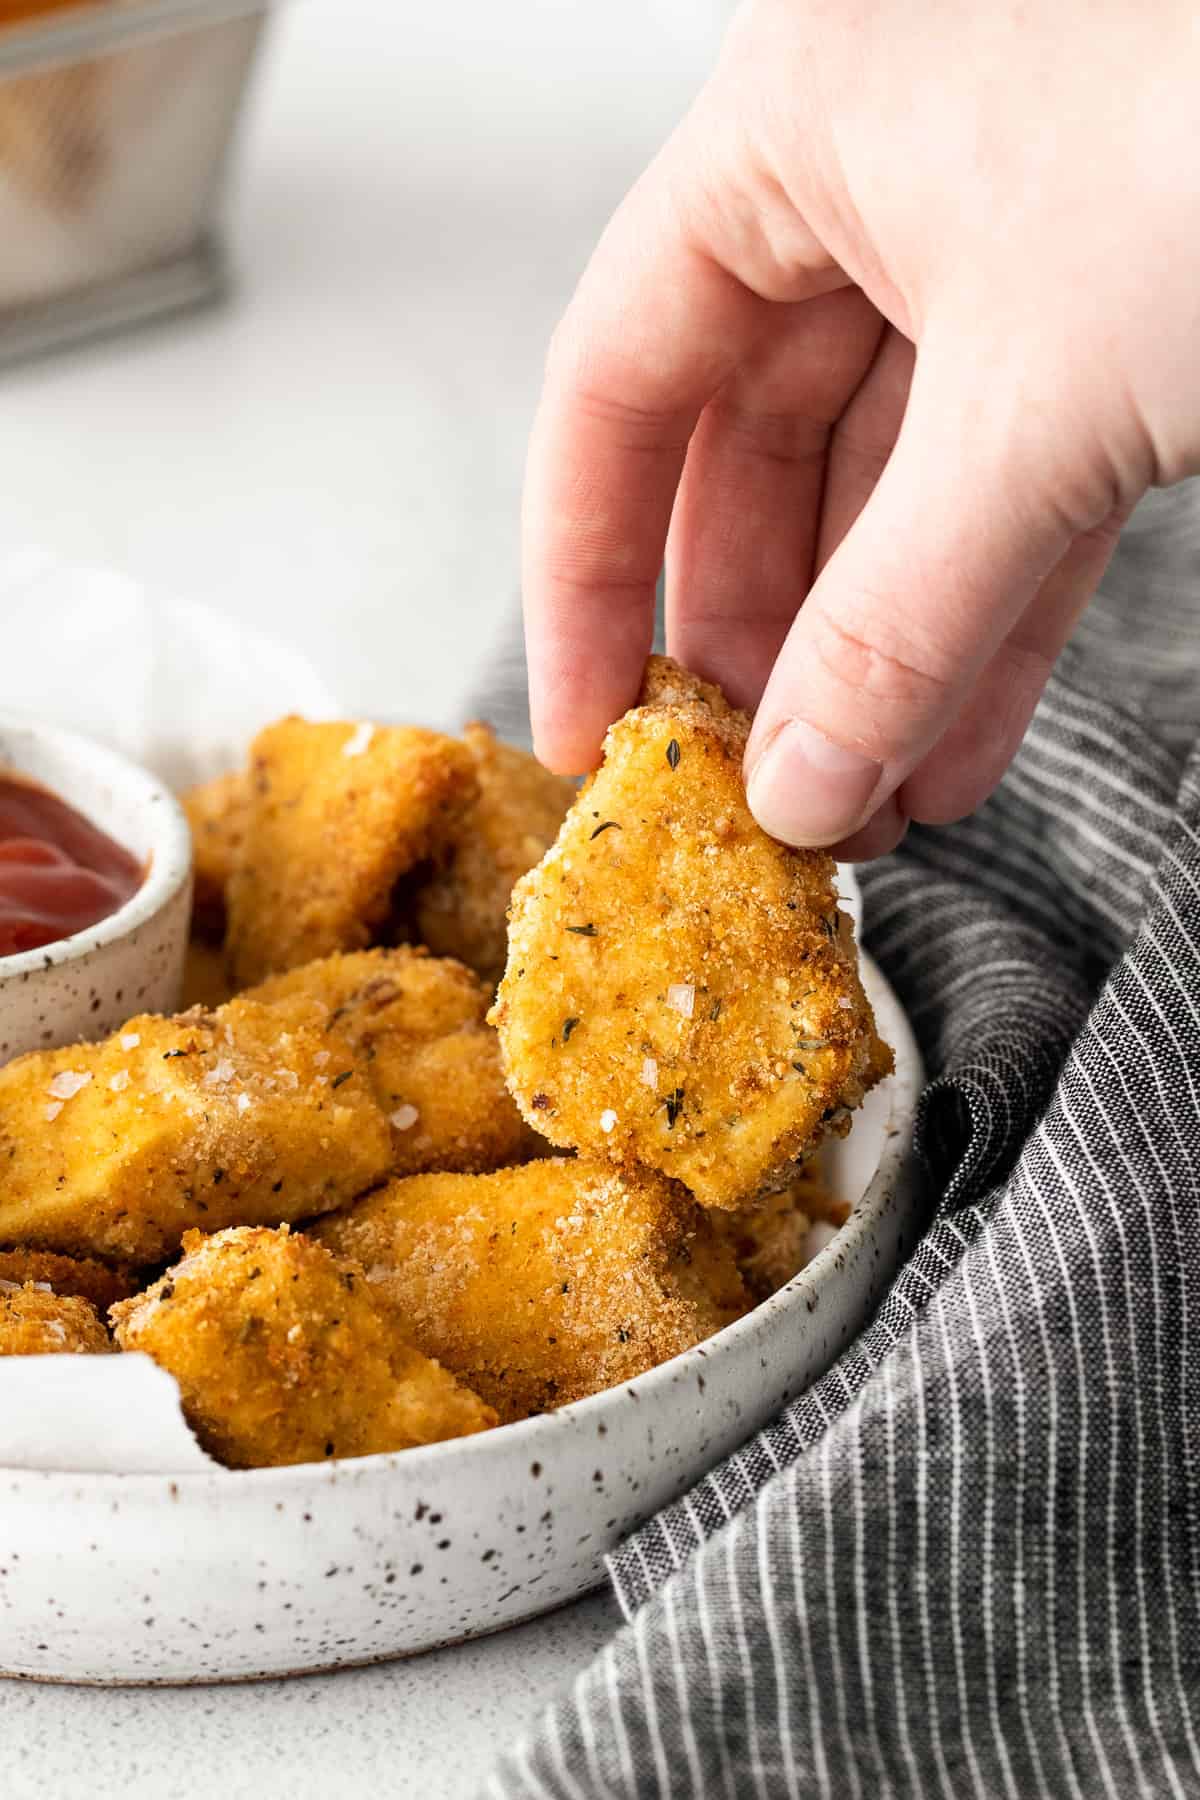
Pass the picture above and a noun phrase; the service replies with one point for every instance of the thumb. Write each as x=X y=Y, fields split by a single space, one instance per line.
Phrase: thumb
x=962 y=527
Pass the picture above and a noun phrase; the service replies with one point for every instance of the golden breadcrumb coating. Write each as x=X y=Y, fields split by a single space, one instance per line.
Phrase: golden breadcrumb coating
x=79 y=1276
x=216 y=812
x=542 y=1284
x=282 y=1354
x=252 y=1114
x=205 y=977
x=682 y=992
x=36 y=1322
x=417 y=1023
x=771 y=1238
x=337 y=813
x=462 y=910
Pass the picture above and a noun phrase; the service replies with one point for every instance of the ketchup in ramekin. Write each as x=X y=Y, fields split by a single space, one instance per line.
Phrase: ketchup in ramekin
x=59 y=873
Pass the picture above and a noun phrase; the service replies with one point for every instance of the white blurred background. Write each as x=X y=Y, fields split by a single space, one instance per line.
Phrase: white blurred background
x=336 y=454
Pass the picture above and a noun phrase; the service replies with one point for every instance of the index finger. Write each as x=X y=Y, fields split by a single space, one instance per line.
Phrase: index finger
x=655 y=327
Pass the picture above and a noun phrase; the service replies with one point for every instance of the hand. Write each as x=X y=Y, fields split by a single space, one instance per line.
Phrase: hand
x=880 y=351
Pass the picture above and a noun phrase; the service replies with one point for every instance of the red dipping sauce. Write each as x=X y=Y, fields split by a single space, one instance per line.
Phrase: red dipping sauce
x=58 y=872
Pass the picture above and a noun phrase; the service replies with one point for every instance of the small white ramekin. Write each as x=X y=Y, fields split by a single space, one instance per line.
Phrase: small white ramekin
x=132 y=962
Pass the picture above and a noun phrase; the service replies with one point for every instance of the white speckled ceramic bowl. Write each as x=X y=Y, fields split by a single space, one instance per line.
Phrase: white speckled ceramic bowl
x=222 y=1575
x=87 y=985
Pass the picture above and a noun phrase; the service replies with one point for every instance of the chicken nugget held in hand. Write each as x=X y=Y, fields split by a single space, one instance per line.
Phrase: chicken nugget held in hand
x=542 y=1284
x=682 y=992
x=336 y=814
x=282 y=1354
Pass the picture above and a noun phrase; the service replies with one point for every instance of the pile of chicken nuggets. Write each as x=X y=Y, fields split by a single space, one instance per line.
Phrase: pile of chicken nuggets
x=489 y=1092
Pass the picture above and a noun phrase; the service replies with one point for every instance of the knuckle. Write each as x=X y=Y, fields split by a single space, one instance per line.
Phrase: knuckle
x=1103 y=537
x=588 y=569
x=630 y=426
x=884 y=666
x=788 y=439
x=1021 y=671
x=865 y=455
x=595 y=383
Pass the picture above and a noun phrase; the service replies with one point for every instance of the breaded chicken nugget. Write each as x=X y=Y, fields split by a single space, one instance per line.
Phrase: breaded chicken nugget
x=251 y=1114
x=282 y=1355
x=80 y=1276
x=772 y=1239
x=417 y=1023
x=681 y=991
x=216 y=812
x=462 y=909
x=35 y=1322
x=337 y=813
x=541 y=1284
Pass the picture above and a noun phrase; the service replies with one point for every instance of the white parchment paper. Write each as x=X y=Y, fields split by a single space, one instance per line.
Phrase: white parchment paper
x=116 y=1415
x=171 y=684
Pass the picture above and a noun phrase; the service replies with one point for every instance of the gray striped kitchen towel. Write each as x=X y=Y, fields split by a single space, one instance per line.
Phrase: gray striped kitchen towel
x=967 y=1562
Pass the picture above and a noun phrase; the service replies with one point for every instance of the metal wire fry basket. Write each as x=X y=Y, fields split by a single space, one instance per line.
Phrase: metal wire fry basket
x=116 y=120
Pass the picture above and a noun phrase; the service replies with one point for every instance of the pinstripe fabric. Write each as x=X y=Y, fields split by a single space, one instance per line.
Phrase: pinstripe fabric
x=967 y=1562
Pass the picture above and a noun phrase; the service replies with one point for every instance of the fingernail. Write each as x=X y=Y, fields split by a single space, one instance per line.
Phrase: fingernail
x=805 y=789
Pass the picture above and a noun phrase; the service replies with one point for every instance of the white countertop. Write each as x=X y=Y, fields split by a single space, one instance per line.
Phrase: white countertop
x=425 y=1729
x=337 y=456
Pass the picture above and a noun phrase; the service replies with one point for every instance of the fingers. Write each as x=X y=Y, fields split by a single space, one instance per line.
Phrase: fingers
x=654 y=329
x=959 y=533
x=880 y=834
x=967 y=762
x=964 y=766
x=677 y=295
x=743 y=534
x=863 y=440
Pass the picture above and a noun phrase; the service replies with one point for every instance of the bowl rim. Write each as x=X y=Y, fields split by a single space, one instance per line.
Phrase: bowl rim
x=896 y=1157
x=170 y=854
